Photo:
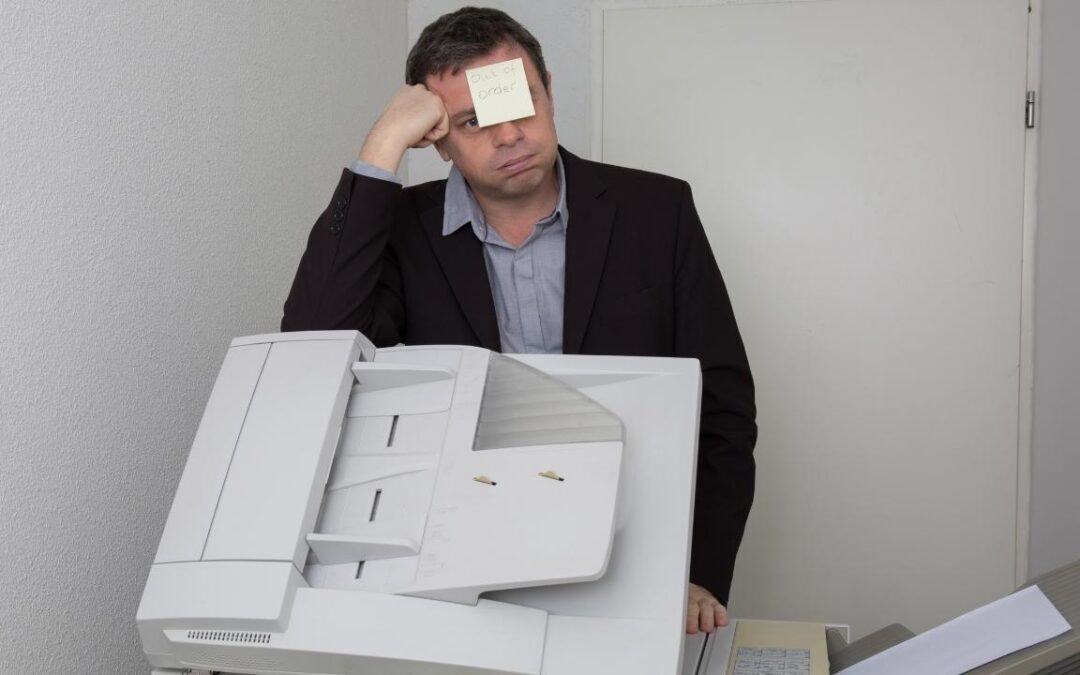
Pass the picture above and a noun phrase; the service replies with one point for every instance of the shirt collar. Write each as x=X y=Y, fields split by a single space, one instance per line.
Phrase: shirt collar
x=461 y=208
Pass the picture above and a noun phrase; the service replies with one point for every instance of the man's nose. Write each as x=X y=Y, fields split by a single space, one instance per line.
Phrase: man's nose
x=507 y=133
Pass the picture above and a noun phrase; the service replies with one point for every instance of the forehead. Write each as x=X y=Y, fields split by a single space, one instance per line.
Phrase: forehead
x=453 y=88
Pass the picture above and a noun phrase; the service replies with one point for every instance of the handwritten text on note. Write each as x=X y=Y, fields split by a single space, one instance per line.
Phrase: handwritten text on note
x=500 y=92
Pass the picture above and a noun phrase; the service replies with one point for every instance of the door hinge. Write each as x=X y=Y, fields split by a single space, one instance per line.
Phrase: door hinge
x=1029 y=110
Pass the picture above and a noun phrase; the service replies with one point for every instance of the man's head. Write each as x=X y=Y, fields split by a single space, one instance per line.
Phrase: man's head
x=506 y=161
x=454 y=39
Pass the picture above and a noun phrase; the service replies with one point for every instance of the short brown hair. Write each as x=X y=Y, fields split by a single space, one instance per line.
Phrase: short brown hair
x=458 y=37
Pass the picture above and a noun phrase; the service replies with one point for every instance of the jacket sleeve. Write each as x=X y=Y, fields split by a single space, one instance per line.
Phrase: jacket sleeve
x=348 y=278
x=706 y=330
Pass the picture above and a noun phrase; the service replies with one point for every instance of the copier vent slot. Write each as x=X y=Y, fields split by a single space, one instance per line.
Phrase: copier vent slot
x=375 y=506
x=240 y=637
x=393 y=430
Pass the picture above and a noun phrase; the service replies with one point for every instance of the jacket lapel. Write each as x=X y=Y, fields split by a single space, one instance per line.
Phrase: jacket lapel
x=461 y=256
x=588 y=231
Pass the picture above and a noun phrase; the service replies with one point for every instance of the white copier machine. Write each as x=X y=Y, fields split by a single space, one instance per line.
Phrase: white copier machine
x=429 y=510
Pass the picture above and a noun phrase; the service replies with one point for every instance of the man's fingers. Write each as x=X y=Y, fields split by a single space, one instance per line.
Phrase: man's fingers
x=708 y=617
x=441 y=128
x=693 y=611
x=721 y=616
x=703 y=611
x=436 y=133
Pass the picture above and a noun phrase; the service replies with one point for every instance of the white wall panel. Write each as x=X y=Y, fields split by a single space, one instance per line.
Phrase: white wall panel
x=1055 y=495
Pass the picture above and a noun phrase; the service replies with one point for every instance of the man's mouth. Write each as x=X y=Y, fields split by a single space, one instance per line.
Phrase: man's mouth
x=516 y=164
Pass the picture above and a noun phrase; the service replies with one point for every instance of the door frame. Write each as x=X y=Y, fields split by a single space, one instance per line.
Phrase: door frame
x=1025 y=424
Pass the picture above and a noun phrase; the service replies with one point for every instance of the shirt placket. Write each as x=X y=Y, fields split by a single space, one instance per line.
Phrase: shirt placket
x=549 y=244
x=529 y=302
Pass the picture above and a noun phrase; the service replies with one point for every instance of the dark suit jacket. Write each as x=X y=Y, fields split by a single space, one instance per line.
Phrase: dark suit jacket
x=640 y=280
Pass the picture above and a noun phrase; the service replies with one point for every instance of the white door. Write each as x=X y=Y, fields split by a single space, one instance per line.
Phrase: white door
x=859 y=167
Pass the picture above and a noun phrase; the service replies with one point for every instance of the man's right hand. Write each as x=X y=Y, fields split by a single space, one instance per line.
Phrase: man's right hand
x=414 y=118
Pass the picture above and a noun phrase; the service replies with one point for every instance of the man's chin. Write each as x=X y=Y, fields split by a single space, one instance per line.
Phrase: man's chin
x=521 y=184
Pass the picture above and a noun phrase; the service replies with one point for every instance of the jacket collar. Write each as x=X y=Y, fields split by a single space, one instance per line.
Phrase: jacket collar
x=586 y=245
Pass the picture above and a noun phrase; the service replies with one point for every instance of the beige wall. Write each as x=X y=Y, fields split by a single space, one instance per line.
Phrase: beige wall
x=160 y=166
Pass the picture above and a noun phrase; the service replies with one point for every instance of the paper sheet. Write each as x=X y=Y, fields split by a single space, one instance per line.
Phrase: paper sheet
x=969 y=641
x=781 y=646
x=500 y=92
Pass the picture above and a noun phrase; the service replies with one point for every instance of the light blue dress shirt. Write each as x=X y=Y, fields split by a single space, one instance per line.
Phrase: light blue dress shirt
x=528 y=282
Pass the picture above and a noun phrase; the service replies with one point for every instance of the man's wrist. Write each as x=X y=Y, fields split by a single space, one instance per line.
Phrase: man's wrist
x=362 y=168
x=382 y=152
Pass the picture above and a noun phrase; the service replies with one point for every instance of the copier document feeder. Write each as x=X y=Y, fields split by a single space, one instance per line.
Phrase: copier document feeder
x=429 y=510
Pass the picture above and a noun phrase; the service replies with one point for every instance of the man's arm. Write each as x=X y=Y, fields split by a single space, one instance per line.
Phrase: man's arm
x=706 y=330
x=347 y=277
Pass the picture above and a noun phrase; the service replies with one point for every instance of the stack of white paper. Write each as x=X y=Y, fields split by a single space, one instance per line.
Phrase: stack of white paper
x=969 y=641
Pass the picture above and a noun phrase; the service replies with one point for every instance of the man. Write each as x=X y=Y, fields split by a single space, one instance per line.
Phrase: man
x=527 y=248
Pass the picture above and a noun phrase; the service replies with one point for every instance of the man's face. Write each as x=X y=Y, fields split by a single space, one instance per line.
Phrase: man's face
x=502 y=161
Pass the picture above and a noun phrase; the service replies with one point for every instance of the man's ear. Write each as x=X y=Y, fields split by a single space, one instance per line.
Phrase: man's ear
x=441 y=148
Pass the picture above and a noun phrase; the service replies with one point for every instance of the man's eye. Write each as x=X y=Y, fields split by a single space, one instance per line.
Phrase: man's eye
x=472 y=123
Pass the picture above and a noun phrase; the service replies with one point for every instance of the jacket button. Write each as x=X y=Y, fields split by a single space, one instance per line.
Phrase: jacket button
x=341 y=204
x=335 y=228
x=339 y=216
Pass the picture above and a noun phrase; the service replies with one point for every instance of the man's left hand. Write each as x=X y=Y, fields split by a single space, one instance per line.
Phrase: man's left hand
x=703 y=611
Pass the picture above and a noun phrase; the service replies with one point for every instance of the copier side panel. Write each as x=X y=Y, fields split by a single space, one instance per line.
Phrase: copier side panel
x=275 y=484
x=192 y=512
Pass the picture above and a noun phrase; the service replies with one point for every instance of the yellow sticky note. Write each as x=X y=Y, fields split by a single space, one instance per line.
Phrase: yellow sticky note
x=500 y=92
